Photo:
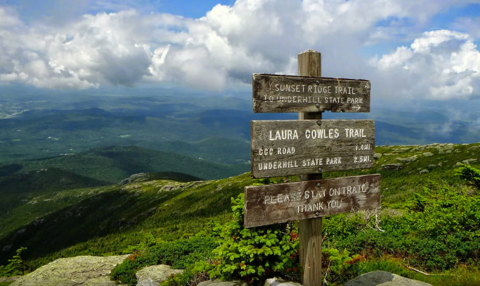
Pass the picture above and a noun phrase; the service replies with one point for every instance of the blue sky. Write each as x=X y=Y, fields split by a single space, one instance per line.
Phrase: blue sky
x=410 y=50
x=33 y=11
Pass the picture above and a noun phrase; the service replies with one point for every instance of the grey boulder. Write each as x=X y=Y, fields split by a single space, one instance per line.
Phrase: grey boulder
x=156 y=274
x=383 y=278
x=280 y=282
x=222 y=283
x=80 y=270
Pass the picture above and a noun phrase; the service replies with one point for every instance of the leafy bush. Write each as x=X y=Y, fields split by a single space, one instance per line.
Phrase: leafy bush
x=190 y=277
x=338 y=266
x=16 y=265
x=443 y=211
x=253 y=254
x=447 y=224
x=440 y=231
x=469 y=174
x=181 y=253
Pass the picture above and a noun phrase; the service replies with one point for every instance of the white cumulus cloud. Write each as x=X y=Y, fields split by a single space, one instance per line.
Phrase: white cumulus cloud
x=440 y=64
x=229 y=43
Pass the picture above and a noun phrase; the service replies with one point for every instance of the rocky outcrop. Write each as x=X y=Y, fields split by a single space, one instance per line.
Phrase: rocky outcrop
x=392 y=166
x=134 y=178
x=383 y=278
x=443 y=148
x=408 y=159
x=280 y=282
x=156 y=274
x=465 y=162
x=80 y=270
x=222 y=283
x=377 y=156
x=401 y=150
x=9 y=279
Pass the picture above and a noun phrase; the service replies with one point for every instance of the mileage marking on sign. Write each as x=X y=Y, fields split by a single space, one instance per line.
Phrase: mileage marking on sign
x=280 y=93
x=269 y=204
x=293 y=147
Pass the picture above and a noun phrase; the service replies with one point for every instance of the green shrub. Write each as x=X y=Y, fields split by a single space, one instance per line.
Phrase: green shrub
x=16 y=265
x=181 y=253
x=446 y=224
x=440 y=231
x=253 y=254
x=125 y=272
x=190 y=277
x=469 y=174
x=178 y=254
x=338 y=266
x=443 y=211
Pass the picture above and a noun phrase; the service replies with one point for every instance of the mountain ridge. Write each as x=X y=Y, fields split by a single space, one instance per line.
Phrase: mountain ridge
x=110 y=219
x=115 y=163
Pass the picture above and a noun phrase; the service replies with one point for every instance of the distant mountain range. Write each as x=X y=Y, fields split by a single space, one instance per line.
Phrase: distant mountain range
x=114 y=163
x=221 y=136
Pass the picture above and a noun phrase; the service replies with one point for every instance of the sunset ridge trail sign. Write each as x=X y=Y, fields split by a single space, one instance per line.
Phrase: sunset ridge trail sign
x=281 y=93
x=278 y=203
x=292 y=147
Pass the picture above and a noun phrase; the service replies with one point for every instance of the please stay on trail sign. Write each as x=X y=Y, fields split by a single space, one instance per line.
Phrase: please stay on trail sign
x=269 y=204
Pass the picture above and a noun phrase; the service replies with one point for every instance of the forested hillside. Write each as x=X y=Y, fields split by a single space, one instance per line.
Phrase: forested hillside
x=429 y=219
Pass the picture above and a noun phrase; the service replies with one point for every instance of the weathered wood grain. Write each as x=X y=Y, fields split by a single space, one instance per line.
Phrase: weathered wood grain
x=296 y=147
x=285 y=93
x=310 y=231
x=278 y=203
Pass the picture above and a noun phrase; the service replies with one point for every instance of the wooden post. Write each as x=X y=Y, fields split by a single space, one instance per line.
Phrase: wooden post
x=310 y=230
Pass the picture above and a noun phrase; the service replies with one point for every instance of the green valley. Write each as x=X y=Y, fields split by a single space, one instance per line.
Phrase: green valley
x=114 y=163
x=148 y=212
x=146 y=175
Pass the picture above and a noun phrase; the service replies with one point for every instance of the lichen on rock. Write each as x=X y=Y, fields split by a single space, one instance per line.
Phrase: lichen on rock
x=80 y=270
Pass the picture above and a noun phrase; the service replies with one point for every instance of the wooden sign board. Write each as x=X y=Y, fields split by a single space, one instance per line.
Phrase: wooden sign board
x=296 y=147
x=270 y=204
x=282 y=93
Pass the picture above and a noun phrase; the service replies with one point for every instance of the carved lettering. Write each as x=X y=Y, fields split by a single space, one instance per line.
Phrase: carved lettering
x=283 y=135
x=276 y=203
x=355 y=133
x=322 y=133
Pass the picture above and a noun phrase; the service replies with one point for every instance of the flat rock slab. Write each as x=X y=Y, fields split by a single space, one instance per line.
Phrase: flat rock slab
x=156 y=274
x=8 y=279
x=280 y=282
x=80 y=270
x=147 y=282
x=222 y=283
x=392 y=166
x=383 y=278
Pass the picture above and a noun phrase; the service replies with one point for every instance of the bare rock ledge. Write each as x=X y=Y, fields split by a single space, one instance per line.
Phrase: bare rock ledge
x=156 y=274
x=383 y=278
x=80 y=270
x=222 y=283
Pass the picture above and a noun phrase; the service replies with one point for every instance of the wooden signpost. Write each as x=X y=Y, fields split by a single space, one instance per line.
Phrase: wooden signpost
x=309 y=147
x=290 y=147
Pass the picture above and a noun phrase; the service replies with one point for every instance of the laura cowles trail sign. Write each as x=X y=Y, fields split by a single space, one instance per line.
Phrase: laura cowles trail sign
x=296 y=147
x=313 y=146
